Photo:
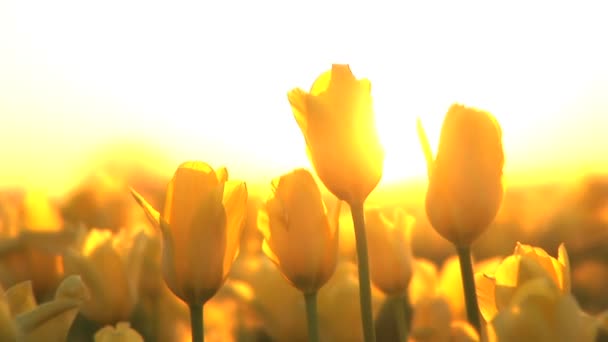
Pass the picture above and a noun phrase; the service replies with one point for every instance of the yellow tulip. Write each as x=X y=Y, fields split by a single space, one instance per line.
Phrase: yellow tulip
x=339 y=309
x=337 y=120
x=8 y=328
x=432 y=321
x=121 y=333
x=280 y=304
x=539 y=311
x=496 y=290
x=110 y=266
x=390 y=254
x=201 y=227
x=49 y=321
x=465 y=178
x=298 y=237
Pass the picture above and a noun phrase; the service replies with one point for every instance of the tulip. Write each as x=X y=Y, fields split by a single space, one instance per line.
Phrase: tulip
x=339 y=311
x=390 y=252
x=432 y=321
x=465 y=185
x=496 y=289
x=110 y=265
x=465 y=179
x=121 y=333
x=540 y=311
x=298 y=237
x=22 y=319
x=391 y=260
x=201 y=228
x=337 y=120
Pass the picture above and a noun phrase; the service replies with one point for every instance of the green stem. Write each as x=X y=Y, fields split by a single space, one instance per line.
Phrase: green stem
x=365 y=290
x=311 y=316
x=196 y=321
x=468 y=283
x=400 y=306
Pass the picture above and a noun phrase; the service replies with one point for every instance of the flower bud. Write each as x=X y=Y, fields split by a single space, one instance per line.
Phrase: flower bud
x=337 y=120
x=298 y=237
x=465 y=179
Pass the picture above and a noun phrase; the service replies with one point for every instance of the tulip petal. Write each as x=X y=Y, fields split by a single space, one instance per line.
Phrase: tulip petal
x=152 y=214
x=424 y=281
x=426 y=146
x=8 y=329
x=20 y=298
x=270 y=253
x=562 y=257
x=49 y=321
x=235 y=207
x=297 y=100
x=222 y=174
x=322 y=83
x=75 y=263
x=263 y=223
x=205 y=241
x=486 y=291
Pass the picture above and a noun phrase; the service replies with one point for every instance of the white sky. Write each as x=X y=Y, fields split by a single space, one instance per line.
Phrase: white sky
x=208 y=80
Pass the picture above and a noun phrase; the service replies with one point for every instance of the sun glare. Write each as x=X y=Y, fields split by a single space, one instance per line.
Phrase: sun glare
x=204 y=90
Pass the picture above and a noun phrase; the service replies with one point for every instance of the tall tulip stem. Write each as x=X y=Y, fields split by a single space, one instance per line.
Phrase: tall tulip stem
x=312 y=316
x=402 y=310
x=196 y=321
x=365 y=290
x=468 y=283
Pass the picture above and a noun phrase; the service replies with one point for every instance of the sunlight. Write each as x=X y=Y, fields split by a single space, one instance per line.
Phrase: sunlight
x=222 y=98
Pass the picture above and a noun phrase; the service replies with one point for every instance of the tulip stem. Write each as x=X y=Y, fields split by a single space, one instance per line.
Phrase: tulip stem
x=196 y=321
x=312 y=316
x=468 y=283
x=365 y=290
x=401 y=309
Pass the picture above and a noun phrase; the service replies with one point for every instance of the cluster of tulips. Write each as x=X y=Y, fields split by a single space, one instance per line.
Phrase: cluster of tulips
x=523 y=297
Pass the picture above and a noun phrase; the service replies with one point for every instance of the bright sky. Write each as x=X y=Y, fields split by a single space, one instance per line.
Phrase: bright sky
x=208 y=80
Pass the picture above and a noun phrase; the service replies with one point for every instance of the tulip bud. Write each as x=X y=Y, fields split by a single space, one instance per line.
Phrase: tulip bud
x=390 y=254
x=297 y=235
x=110 y=266
x=121 y=333
x=201 y=228
x=465 y=179
x=337 y=120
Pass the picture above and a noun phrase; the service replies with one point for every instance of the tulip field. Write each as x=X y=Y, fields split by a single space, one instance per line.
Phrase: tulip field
x=322 y=254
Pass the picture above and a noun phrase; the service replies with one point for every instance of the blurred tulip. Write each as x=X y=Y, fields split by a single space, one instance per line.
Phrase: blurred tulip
x=432 y=321
x=539 y=311
x=424 y=280
x=496 y=290
x=280 y=305
x=49 y=321
x=201 y=229
x=8 y=328
x=110 y=265
x=465 y=178
x=40 y=217
x=390 y=254
x=339 y=309
x=337 y=120
x=298 y=237
x=121 y=333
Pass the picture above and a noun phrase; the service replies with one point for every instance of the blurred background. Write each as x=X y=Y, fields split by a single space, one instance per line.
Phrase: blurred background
x=99 y=96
